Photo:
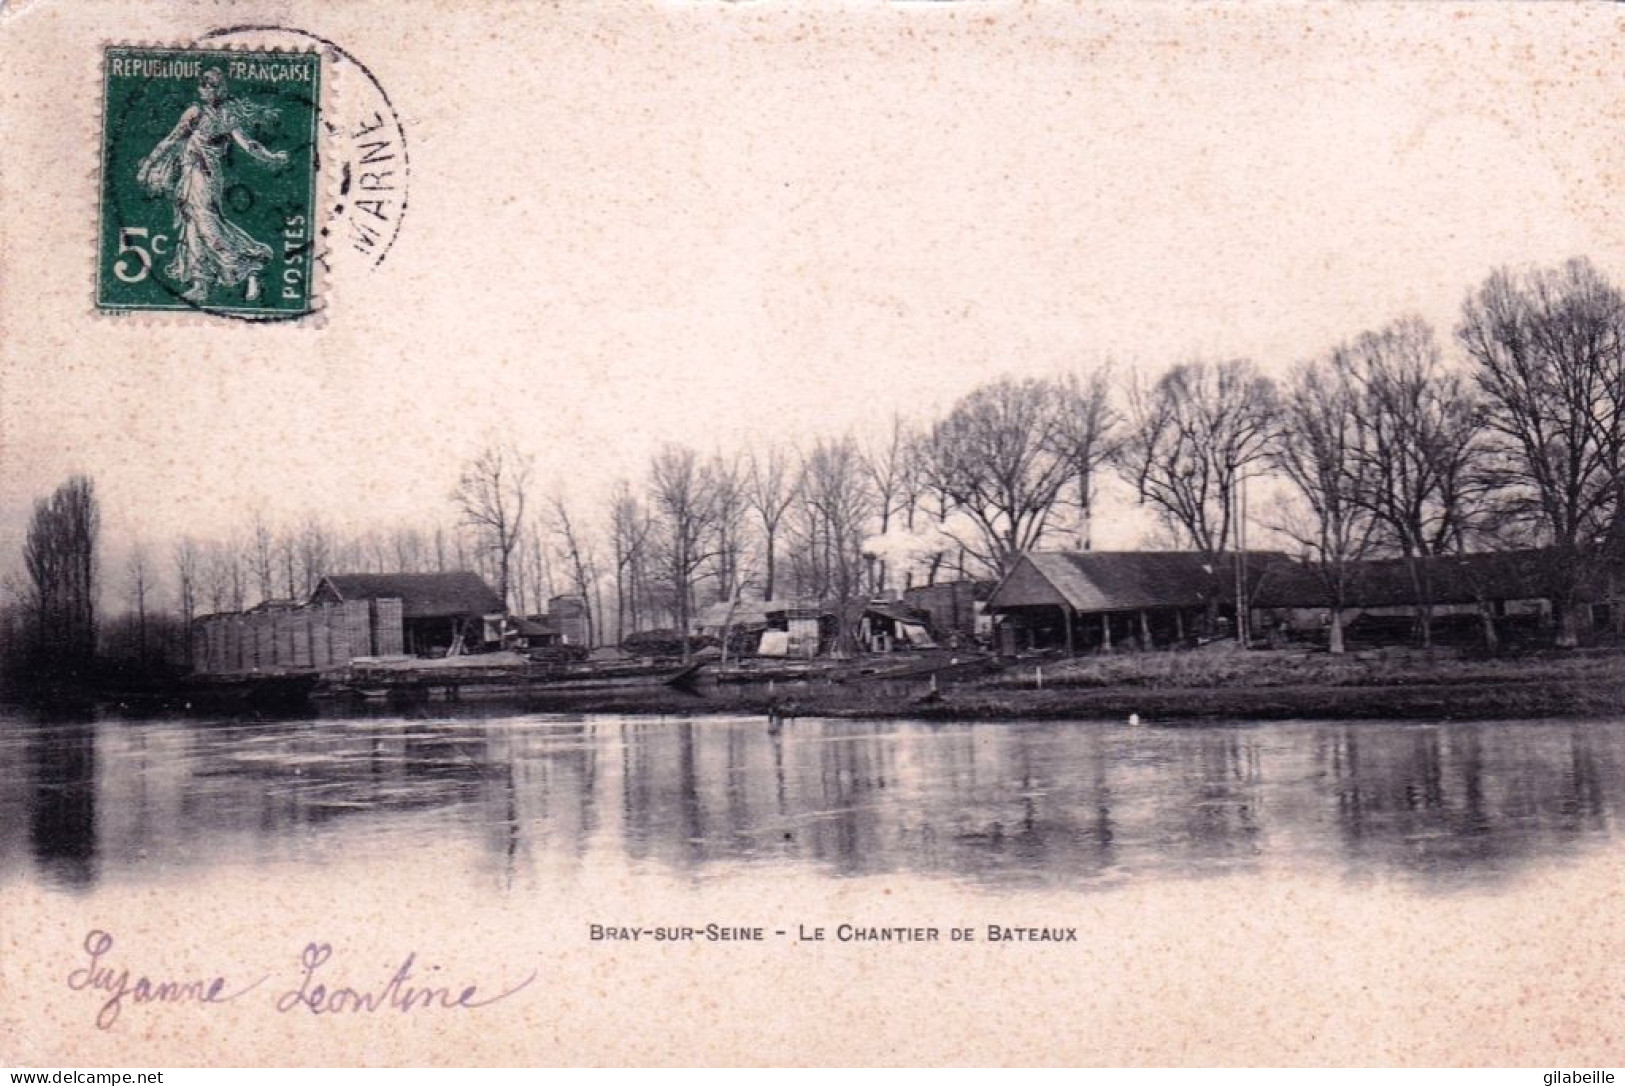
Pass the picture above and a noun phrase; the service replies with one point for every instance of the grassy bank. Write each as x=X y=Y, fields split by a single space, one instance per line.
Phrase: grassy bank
x=1394 y=684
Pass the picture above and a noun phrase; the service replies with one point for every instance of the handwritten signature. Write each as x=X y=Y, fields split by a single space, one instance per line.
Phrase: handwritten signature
x=401 y=992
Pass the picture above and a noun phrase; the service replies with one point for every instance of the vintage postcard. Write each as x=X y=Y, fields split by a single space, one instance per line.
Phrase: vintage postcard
x=797 y=533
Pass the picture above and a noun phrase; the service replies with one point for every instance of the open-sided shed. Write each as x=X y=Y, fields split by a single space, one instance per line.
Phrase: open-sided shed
x=1083 y=600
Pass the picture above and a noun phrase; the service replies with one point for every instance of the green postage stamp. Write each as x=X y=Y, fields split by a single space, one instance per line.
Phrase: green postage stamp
x=208 y=181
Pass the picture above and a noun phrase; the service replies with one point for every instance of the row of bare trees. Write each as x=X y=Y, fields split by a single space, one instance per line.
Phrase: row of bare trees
x=1394 y=451
x=1386 y=444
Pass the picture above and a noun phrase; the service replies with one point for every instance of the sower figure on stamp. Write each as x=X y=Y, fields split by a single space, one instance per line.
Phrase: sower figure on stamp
x=188 y=166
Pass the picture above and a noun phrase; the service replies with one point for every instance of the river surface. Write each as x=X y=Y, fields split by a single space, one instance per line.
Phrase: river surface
x=1282 y=893
x=498 y=802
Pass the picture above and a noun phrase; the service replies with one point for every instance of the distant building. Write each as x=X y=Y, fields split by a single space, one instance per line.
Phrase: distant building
x=1514 y=590
x=436 y=609
x=882 y=626
x=778 y=627
x=272 y=605
x=1091 y=600
x=957 y=610
x=534 y=632
x=567 y=615
x=1086 y=600
x=348 y=616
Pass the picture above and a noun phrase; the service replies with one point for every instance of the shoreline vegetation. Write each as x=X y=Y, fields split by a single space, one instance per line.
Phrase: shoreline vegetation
x=1157 y=688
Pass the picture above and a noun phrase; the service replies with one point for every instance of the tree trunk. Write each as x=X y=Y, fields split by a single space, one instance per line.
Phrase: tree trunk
x=767 y=589
x=681 y=587
x=1568 y=625
x=1492 y=641
x=1424 y=625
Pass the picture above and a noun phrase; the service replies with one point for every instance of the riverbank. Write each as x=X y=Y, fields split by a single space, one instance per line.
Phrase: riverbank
x=1444 y=701
x=1388 y=685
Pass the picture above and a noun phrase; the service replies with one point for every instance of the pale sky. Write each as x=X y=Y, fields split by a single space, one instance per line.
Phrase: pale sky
x=727 y=224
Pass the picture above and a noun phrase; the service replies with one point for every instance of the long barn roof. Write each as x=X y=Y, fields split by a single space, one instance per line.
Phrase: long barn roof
x=1092 y=581
x=1449 y=578
x=422 y=595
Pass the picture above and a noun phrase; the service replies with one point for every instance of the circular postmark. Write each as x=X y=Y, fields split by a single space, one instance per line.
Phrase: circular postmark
x=364 y=147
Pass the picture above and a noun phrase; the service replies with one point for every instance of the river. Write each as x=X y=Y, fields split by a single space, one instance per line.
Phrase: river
x=1187 y=855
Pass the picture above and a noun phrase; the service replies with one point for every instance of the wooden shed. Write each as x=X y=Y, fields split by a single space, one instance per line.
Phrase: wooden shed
x=437 y=610
x=1101 y=600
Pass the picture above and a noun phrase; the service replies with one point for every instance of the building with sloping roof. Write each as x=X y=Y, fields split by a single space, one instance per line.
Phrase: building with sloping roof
x=1086 y=600
x=348 y=616
x=745 y=625
x=1491 y=587
x=437 y=610
x=570 y=618
x=534 y=632
x=956 y=609
x=882 y=626
x=1444 y=579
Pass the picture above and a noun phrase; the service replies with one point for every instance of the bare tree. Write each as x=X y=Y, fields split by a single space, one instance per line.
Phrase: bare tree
x=1192 y=437
x=578 y=553
x=408 y=549
x=683 y=492
x=519 y=580
x=629 y=535
x=373 y=551
x=731 y=503
x=1086 y=434
x=888 y=464
x=328 y=551
x=215 y=577
x=188 y=560
x=238 y=572
x=930 y=501
x=262 y=557
x=771 y=486
x=317 y=552
x=838 y=507
x=1549 y=354
x=1320 y=445
x=287 y=563
x=59 y=555
x=995 y=459
x=1422 y=442
x=491 y=495
x=533 y=555
x=438 y=548
x=138 y=583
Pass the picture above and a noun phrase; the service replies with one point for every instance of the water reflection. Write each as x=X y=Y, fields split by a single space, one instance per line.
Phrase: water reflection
x=1450 y=800
x=62 y=811
x=517 y=798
